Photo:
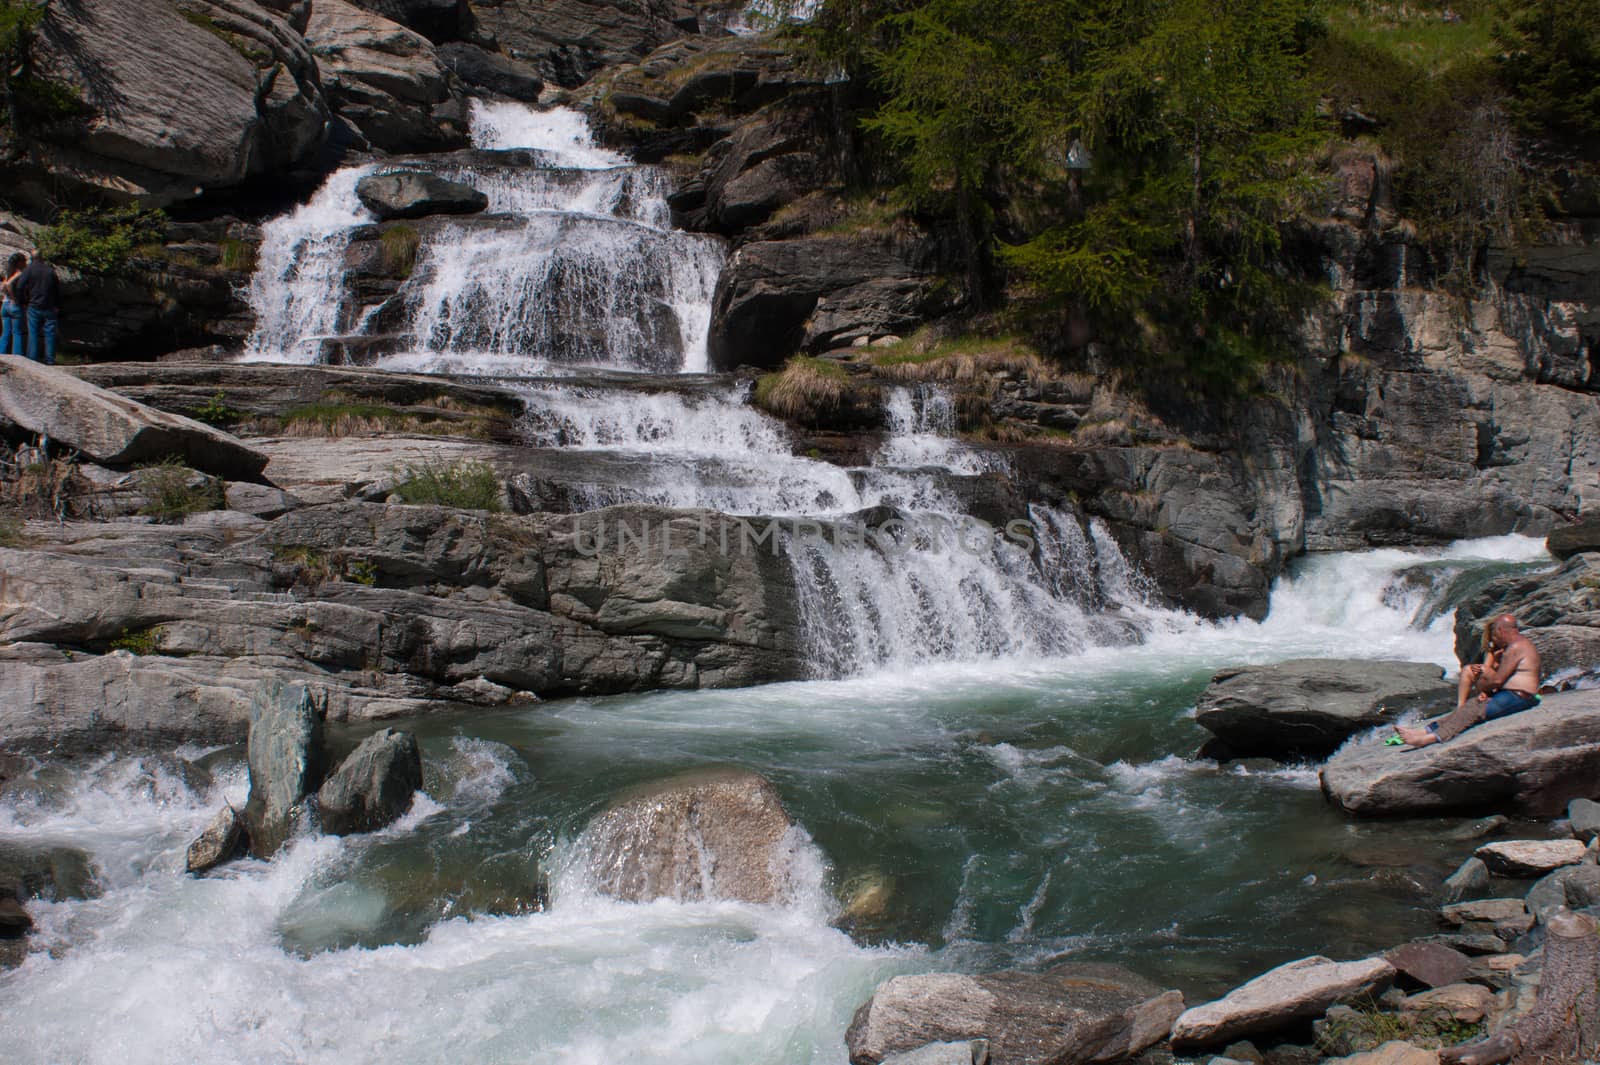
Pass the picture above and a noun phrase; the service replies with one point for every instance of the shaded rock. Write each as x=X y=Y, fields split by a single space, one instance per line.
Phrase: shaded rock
x=1069 y=1014
x=414 y=194
x=1528 y=858
x=967 y=1052
x=1310 y=706
x=1393 y=1053
x=1428 y=964
x=1534 y=762
x=718 y=834
x=110 y=429
x=287 y=763
x=14 y=920
x=1472 y=943
x=1470 y=879
x=486 y=73
x=1559 y=612
x=566 y=41
x=222 y=840
x=373 y=786
x=1582 y=535
x=1461 y=1003
x=1281 y=998
x=1584 y=814
x=1576 y=887
x=386 y=80
x=1244 y=1051
x=1479 y=828
x=434 y=19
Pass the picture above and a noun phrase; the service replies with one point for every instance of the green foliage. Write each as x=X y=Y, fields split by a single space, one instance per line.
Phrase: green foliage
x=399 y=249
x=172 y=491
x=216 y=411
x=139 y=641
x=101 y=241
x=361 y=571
x=803 y=388
x=11 y=531
x=465 y=483
x=1551 y=65
x=1430 y=36
x=238 y=256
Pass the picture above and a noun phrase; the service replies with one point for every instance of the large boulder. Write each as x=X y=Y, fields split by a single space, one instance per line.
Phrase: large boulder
x=1075 y=1013
x=567 y=41
x=1534 y=762
x=1559 y=612
x=415 y=194
x=386 y=80
x=718 y=834
x=110 y=429
x=287 y=763
x=373 y=786
x=485 y=73
x=1582 y=535
x=1280 y=999
x=177 y=100
x=1308 y=707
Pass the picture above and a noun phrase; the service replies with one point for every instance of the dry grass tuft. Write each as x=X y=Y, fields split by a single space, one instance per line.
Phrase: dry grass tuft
x=804 y=388
x=964 y=360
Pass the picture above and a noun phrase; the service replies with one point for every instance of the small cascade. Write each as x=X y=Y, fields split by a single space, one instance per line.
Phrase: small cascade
x=922 y=427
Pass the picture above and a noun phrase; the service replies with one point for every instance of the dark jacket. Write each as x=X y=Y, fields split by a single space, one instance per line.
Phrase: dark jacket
x=38 y=287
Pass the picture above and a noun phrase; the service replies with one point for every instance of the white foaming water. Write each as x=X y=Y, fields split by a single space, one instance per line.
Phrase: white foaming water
x=503 y=125
x=298 y=289
x=922 y=428
x=165 y=967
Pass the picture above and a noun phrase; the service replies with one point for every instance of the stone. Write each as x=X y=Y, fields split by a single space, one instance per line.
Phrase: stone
x=567 y=41
x=1295 y=993
x=415 y=194
x=1392 y=1053
x=1308 y=707
x=287 y=763
x=1534 y=762
x=177 y=105
x=1581 y=536
x=1490 y=911
x=386 y=80
x=1478 y=829
x=1470 y=879
x=1244 y=1051
x=434 y=19
x=486 y=73
x=1558 y=612
x=1071 y=1014
x=222 y=839
x=1471 y=943
x=966 y=1052
x=14 y=920
x=1527 y=858
x=720 y=834
x=113 y=430
x=258 y=500
x=373 y=786
x=1584 y=816
x=1428 y=964
x=53 y=873
x=1576 y=887
x=1462 y=1003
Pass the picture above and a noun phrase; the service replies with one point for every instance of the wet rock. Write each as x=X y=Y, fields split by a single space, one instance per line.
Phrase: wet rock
x=386 y=80
x=1428 y=964
x=1071 y=1014
x=1456 y=1002
x=1308 y=707
x=414 y=194
x=1533 y=762
x=487 y=73
x=222 y=840
x=966 y=1052
x=1527 y=858
x=14 y=920
x=1582 y=535
x=1470 y=879
x=287 y=763
x=1584 y=815
x=1392 y=1053
x=1478 y=829
x=110 y=429
x=373 y=786
x=1279 y=999
x=720 y=834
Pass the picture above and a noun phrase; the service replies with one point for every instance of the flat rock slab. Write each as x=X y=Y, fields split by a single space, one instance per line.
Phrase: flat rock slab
x=1294 y=993
x=1072 y=1014
x=111 y=429
x=1309 y=706
x=1534 y=762
x=1529 y=858
x=412 y=194
x=1429 y=964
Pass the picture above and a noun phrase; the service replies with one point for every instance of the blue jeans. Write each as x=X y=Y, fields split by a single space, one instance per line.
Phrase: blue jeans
x=13 y=337
x=1505 y=703
x=42 y=335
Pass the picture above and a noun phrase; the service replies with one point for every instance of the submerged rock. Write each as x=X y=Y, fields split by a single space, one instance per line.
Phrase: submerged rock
x=1281 y=998
x=1071 y=1014
x=222 y=839
x=1530 y=857
x=1471 y=878
x=711 y=834
x=1534 y=762
x=373 y=786
x=414 y=194
x=1310 y=706
x=287 y=763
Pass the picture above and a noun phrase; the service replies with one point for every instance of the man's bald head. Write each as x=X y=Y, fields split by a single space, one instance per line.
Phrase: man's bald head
x=1504 y=627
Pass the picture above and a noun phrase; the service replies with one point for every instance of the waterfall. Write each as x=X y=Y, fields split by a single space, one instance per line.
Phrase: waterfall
x=922 y=426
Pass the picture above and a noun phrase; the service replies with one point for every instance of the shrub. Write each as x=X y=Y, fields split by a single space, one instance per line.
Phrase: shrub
x=216 y=411
x=140 y=641
x=400 y=245
x=465 y=483
x=101 y=241
x=172 y=493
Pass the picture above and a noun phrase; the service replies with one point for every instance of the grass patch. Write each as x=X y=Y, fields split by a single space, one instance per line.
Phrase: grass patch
x=866 y=214
x=1431 y=37
x=314 y=568
x=172 y=493
x=257 y=56
x=237 y=256
x=804 y=387
x=139 y=641
x=1362 y=1028
x=467 y=484
x=399 y=250
x=970 y=358
x=333 y=418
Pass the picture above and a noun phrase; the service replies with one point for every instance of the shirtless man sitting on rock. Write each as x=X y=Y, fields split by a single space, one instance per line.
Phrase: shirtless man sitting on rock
x=1506 y=683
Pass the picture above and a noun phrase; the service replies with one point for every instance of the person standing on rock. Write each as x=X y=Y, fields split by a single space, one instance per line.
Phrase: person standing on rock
x=40 y=292
x=13 y=335
x=1507 y=683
